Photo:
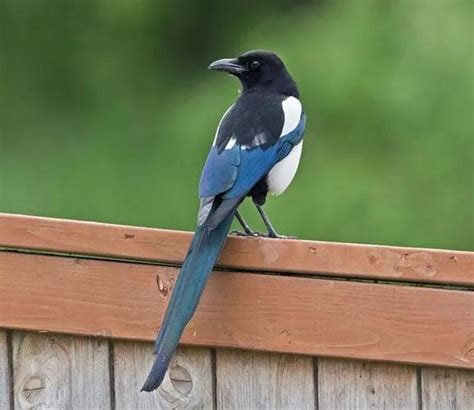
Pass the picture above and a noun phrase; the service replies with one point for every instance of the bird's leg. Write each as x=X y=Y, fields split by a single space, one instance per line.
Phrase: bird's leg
x=271 y=230
x=245 y=226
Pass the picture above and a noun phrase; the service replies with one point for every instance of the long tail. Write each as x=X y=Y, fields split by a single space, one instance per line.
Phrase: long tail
x=203 y=252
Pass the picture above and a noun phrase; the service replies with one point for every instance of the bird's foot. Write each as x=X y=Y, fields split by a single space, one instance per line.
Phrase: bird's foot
x=254 y=234
x=250 y=234
x=275 y=235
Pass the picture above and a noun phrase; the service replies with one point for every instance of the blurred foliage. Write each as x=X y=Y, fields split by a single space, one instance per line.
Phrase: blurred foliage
x=107 y=112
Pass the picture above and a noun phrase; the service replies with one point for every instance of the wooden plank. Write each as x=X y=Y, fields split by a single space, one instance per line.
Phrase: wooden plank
x=4 y=372
x=253 y=311
x=351 y=385
x=262 y=254
x=254 y=380
x=188 y=383
x=447 y=389
x=60 y=372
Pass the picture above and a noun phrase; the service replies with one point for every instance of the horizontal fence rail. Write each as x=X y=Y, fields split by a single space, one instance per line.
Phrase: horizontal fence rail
x=290 y=313
x=444 y=267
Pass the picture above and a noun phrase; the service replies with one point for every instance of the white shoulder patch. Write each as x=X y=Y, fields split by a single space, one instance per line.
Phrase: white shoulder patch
x=220 y=122
x=281 y=175
x=292 y=112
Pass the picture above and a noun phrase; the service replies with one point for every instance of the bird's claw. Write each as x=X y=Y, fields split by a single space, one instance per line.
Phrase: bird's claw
x=261 y=235
x=246 y=234
x=278 y=236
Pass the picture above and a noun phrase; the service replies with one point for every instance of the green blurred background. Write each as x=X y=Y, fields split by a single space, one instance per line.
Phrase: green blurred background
x=107 y=112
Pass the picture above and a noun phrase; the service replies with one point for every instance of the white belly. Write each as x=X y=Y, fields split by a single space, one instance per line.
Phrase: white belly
x=281 y=175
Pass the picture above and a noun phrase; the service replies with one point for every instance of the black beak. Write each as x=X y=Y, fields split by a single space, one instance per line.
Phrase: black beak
x=228 y=65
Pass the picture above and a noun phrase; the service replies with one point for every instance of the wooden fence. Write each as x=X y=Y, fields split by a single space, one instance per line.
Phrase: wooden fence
x=282 y=323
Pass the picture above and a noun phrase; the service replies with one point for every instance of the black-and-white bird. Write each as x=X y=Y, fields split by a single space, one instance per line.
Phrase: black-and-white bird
x=256 y=151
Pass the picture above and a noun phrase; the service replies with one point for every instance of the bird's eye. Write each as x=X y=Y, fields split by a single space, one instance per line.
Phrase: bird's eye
x=254 y=64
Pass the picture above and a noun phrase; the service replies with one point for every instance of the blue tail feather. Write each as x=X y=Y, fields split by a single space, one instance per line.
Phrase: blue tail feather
x=203 y=252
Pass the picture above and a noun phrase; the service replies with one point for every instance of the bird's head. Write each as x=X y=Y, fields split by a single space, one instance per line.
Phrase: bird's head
x=258 y=69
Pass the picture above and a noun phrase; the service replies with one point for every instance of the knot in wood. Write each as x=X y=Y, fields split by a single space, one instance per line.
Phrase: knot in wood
x=181 y=380
x=468 y=350
x=161 y=286
x=32 y=386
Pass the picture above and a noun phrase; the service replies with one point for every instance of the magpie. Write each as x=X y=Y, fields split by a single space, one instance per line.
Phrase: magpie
x=256 y=151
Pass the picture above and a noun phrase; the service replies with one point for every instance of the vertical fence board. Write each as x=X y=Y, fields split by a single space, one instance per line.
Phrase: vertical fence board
x=188 y=383
x=52 y=371
x=447 y=389
x=4 y=372
x=345 y=384
x=253 y=380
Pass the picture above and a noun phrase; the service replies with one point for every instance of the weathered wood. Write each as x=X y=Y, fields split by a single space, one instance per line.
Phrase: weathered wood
x=253 y=311
x=352 y=385
x=4 y=372
x=447 y=389
x=311 y=257
x=254 y=380
x=188 y=383
x=61 y=372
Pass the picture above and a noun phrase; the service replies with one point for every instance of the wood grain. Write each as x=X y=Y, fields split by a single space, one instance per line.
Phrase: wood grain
x=307 y=257
x=4 y=372
x=447 y=389
x=255 y=380
x=60 y=372
x=353 y=385
x=188 y=383
x=252 y=311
